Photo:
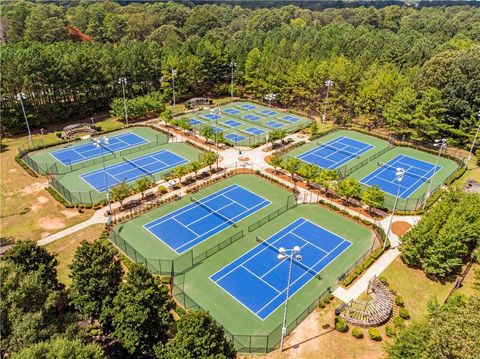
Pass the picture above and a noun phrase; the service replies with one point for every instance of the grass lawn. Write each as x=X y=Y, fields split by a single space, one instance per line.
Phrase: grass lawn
x=26 y=209
x=65 y=249
x=415 y=288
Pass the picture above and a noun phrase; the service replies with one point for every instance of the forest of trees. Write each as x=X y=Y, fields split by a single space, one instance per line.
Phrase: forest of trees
x=103 y=313
x=414 y=71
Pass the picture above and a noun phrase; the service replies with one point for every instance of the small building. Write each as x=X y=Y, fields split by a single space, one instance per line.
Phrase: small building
x=198 y=101
x=471 y=186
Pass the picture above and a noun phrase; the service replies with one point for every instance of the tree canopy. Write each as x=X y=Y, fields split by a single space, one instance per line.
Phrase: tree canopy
x=445 y=236
x=412 y=70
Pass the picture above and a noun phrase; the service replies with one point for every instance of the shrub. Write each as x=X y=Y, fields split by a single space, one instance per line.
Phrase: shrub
x=404 y=314
x=399 y=301
x=357 y=333
x=383 y=280
x=341 y=325
x=374 y=334
x=390 y=331
x=399 y=322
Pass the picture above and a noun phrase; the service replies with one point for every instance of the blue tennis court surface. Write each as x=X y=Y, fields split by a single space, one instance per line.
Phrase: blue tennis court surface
x=88 y=151
x=274 y=124
x=254 y=131
x=251 y=117
x=247 y=106
x=212 y=117
x=235 y=137
x=216 y=129
x=133 y=169
x=268 y=112
x=258 y=280
x=334 y=153
x=195 y=122
x=202 y=219
x=416 y=174
x=290 y=118
x=232 y=123
x=231 y=111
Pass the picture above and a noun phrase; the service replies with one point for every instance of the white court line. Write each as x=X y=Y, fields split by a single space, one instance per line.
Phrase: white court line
x=313 y=245
x=186 y=209
x=181 y=224
x=248 y=270
x=301 y=276
x=221 y=224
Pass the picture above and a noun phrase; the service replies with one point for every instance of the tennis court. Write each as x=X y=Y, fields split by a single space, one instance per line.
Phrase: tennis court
x=246 y=124
x=88 y=151
x=274 y=124
x=336 y=152
x=291 y=119
x=192 y=224
x=195 y=122
x=417 y=172
x=232 y=123
x=132 y=169
x=235 y=137
x=257 y=279
x=254 y=131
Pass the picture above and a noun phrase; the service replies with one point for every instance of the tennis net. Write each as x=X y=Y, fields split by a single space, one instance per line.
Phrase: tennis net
x=276 y=250
x=427 y=176
x=350 y=154
x=213 y=211
x=137 y=166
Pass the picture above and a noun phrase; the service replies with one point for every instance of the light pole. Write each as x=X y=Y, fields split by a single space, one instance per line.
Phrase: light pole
x=474 y=141
x=441 y=144
x=400 y=173
x=233 y=65
x=20 y=97
x=270 y=97
x=100 y=143
x=291 y=254
x=328 y=83
x=174 y=72
x=215 y=112
x=123 y=81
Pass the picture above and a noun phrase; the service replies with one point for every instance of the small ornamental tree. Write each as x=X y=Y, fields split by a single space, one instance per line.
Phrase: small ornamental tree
x=276 y=161
x=195 y=166
x=328 y=179
x=184 y=124
x=31 y=258
x=141 y=313
x=308 y=172
x=198 y=336
x=208 y=159
x=142 y=184
x=373 y=197
x=207 y=132
x=120 y=192
x=276 y=135
x=349 y=188
x=96 y=276
x=292 y=165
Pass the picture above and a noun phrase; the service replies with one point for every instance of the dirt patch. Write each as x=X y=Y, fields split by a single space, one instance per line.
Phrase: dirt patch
x=41 y=200
x=243 y=158
x=33 y=188
x=51 y=223
x=70 y=213
x=400 y=227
